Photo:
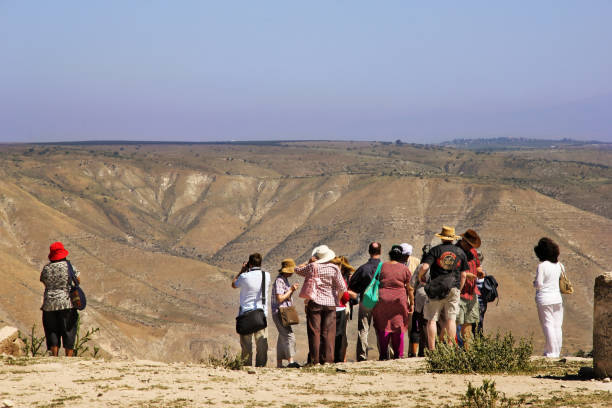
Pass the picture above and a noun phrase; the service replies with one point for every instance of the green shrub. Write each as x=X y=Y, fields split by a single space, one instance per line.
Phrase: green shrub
x=80 y=343
x=32 y=343
x=229 y=360
x=486 y=396
x=485 y=354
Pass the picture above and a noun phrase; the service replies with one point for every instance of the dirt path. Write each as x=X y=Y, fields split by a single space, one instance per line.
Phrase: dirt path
x=48 y=382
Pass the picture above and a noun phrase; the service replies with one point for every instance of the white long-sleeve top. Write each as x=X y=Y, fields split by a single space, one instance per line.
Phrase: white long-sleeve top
x=547 y=283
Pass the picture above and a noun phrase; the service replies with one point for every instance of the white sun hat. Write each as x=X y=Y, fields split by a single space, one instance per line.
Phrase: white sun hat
x=323 y=254
x=406 y=249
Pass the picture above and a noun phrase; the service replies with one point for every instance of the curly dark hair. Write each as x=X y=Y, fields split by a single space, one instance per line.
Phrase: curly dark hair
x=547 y=250
x=395 y=254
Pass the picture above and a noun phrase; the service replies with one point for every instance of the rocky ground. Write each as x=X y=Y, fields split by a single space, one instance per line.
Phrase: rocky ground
x=49 y=382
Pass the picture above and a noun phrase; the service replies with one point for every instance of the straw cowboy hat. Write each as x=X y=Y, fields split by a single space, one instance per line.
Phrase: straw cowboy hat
x=287 y=266
x=447 y=234
x=471 y=237
x=323 y=254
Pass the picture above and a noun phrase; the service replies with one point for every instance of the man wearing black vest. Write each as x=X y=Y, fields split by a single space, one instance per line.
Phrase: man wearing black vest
x=444 y=260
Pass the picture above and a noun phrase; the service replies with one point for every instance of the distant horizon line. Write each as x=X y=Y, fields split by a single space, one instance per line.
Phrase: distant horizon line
x=272 y=142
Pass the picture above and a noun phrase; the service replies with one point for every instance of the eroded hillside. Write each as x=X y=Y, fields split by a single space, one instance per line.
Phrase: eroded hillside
x=158 y=229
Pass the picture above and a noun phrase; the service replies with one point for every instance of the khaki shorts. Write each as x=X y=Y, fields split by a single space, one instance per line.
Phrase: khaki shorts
x=449 y=305
x=469 y=311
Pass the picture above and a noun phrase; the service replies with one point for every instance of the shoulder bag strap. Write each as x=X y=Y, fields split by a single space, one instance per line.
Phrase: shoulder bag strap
x=263 y=288
x=71 y=276
x=378 y=268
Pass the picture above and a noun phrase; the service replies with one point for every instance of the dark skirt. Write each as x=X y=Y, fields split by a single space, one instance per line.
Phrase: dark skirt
x=60 y=327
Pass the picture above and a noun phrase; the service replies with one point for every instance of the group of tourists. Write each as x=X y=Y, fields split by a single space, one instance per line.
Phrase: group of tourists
x=417 y=295
x=426 y=297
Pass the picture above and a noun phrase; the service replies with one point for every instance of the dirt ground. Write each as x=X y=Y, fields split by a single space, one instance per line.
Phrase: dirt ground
x=48 y=382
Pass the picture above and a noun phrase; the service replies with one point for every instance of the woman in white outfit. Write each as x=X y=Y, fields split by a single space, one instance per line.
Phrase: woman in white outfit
x=548 y=296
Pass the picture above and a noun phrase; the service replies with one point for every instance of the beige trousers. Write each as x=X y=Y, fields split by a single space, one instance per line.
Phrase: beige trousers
x=261 y=345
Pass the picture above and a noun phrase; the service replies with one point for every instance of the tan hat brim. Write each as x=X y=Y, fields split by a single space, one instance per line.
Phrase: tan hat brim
x=447 y=237
x=289 y=269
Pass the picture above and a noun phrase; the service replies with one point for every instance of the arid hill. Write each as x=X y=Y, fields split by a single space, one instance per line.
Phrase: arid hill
x=158 y=229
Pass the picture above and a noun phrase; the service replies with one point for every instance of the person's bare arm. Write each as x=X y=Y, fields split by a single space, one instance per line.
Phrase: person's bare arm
x=422 y=272
x=287 y=295
x=410 y=293
x=242 y=270
x=463 y=278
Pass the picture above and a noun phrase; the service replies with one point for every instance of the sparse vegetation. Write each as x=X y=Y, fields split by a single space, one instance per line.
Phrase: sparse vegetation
x=80 y=344
x=486 y=396
x=229 y=360
x=485 y=354
x=582 y=353
x=32 y=343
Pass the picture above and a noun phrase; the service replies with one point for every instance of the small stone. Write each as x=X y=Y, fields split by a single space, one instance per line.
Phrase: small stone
x=563 y=386
x=252 y=372
x=7 y=403
x=607 y=379
x=100 y=394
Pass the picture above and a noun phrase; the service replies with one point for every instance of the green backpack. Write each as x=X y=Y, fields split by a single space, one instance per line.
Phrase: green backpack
x=370 y=296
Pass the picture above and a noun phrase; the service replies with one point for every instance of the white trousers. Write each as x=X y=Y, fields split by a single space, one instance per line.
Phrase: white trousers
x=551 y=319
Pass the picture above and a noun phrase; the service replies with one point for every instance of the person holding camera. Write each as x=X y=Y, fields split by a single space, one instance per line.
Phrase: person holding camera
x=251 y=280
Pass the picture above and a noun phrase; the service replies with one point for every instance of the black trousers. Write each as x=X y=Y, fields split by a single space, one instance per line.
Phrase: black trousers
x=477 y=329
x=60 y=327
x=341 y=340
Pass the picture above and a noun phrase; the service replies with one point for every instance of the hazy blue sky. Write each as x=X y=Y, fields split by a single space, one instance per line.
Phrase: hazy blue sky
x=222 y=70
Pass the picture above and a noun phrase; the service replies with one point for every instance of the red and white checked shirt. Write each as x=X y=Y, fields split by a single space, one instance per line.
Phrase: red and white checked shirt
x=322 y=283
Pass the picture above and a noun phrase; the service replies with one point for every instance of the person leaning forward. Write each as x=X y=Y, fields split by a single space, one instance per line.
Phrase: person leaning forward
x=249 y=281
x=323 y=288
x=444 y=259
x=357 y=286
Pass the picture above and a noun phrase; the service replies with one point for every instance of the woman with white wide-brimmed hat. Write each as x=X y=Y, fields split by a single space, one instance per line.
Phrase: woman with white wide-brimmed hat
x=323 y=288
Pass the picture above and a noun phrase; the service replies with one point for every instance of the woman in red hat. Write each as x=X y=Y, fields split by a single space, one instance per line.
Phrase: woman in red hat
x=59 y=316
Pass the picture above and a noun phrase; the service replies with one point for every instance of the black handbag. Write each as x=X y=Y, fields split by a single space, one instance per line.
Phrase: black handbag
x=77 y=296
x=253 y=320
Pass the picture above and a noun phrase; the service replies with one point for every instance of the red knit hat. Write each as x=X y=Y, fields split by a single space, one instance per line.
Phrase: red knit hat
x=57 y=251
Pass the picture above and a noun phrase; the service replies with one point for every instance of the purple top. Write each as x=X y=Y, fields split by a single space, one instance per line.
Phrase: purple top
x=280 y=287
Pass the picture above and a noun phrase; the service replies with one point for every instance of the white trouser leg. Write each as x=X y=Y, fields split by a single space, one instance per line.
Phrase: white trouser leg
x=558 y=319
x=551 y=319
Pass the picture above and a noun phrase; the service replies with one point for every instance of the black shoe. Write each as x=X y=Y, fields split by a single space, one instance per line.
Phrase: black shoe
x=293 y=365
